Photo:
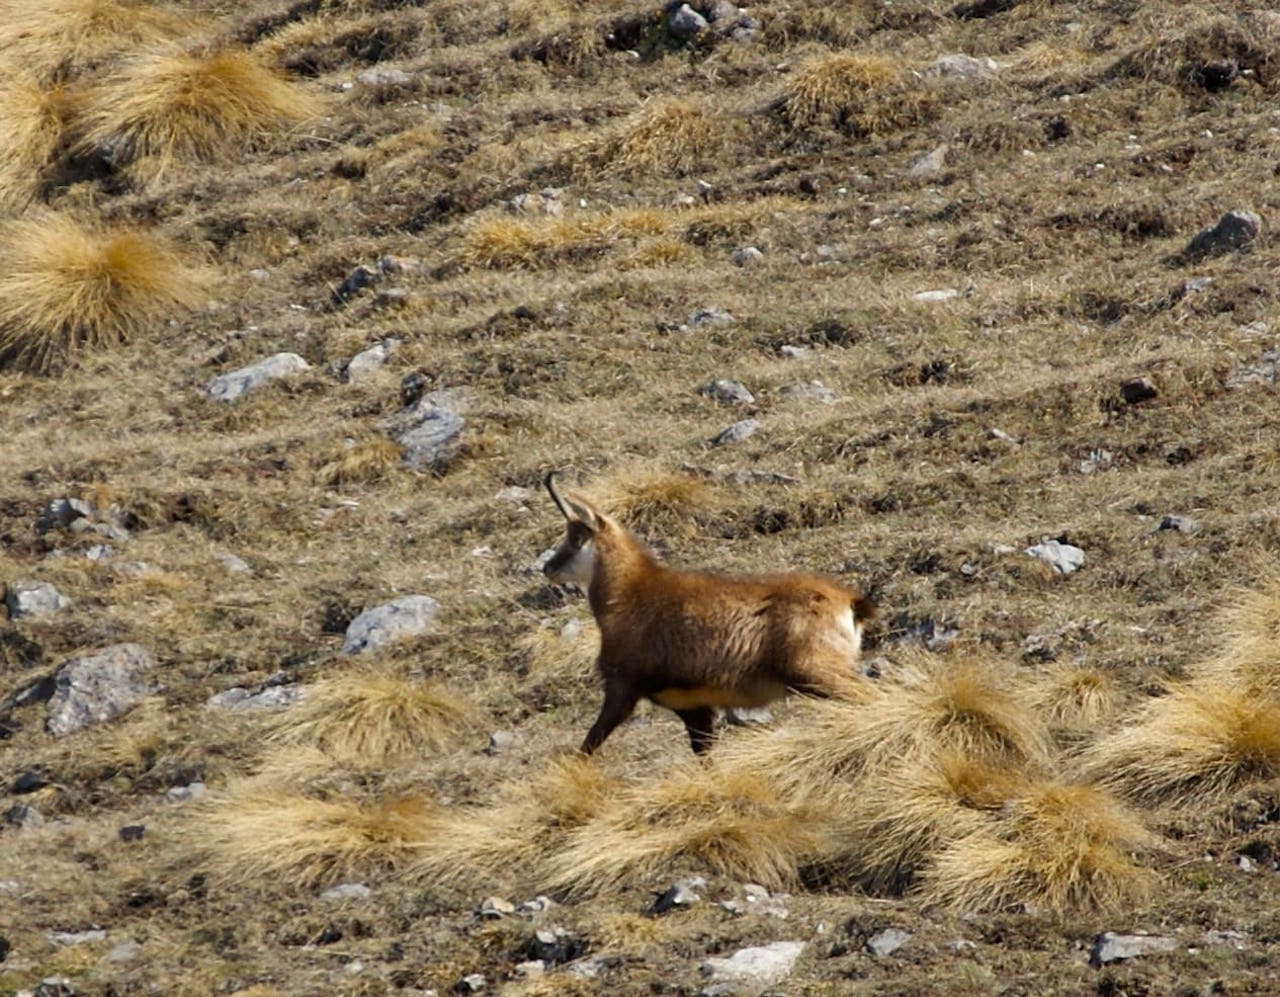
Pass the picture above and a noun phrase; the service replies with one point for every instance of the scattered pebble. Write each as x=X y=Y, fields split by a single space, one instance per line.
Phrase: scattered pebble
x=745 y=256
x=736 y=433
x=888 y=941
x=727 y=392
x=1063 y=558
x=234 y=385
x=26 y=598
x=403 y=617
x=1111 y=947
x=347 y=891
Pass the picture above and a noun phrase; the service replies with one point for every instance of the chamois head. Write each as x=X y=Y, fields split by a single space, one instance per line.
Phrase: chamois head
x=574 y=561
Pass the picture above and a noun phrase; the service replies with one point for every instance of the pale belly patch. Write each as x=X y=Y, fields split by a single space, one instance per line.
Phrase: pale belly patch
x=760 y=694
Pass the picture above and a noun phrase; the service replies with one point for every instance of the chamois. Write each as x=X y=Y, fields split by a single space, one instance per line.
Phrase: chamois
x=692 y=641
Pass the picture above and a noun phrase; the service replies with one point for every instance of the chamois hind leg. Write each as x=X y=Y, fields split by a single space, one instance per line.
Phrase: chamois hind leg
x=618 y=705
x=700 y=723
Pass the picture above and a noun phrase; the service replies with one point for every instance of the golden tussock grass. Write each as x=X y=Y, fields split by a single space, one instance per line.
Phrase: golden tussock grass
x=667 y=137
x=68 y=287
x=62 y=36
x=1055 y=846
x=366 y=717
x=362 y=462
x=660 y=252
x=33 y=121
x=511 y=840
x=272 y=837
x=1249 y=647
x=165 y=106
x=863 y=94
x=654 y=500
x=970 y=708
x=729 y=823
x=902 y=816
x=1192 y=746
x=1075 y=699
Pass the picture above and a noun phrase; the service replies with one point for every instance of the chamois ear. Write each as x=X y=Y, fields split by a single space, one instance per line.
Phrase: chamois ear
x=574 y=507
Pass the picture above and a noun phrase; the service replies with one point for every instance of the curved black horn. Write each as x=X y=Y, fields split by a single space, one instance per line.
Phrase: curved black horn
x=550 y=482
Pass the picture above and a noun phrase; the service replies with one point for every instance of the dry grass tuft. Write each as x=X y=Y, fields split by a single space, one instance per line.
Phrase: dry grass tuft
x=727 y=823
x=67 y=287
x=270 y=837
x=362 y=462
x=163 y=107
x=562 y=661
x=1056 y=846
x=370 y=718
x=1190 y=58
x=55 y=39
x=510 y=841
x=901 y=817
x=1250 y=653
x=864 y=95
x=1192 y=747
x=667 y=137
x=33 y=121
x=657 y=501
x=1075 y=699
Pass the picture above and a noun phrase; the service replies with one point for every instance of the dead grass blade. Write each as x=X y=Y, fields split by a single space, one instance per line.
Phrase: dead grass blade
x=864 y=95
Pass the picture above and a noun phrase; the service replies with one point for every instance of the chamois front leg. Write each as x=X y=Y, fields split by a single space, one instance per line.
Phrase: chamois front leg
x=700 y=724
x=618 y=705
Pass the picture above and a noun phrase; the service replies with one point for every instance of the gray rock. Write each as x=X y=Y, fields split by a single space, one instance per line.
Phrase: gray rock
x=1182 y=524
x=1262 y=372
x=1097 y=460
x=26 y=817
x=385 y=78
x=472 y=983
x=1234 y=231
x=1063 y=558
x=795 y=352
x=77 y=937
x=500 y=742
x=430 y=432
x=685 y=22
x=97 y=687
x=496 y=908
x=127 y=951
x=756 y=899
x=403 y=617
x=814 y=391
x=941 y=294
x=727 y=392
x=684 y=893
x=1112 y=947
x=548 y=201
x=356 y=281
x=361 y=366
x=554 y=945
x=747 y=716
x=100 y=552
x=1245 y=864
x=537 y=905
x=930 y=166
x=61 y=513
x=888 y=941
x=759 y=966
x=232 y=563
x=235 y=384
x=1138 y=389
x=30 y=598
x=54 y=986
x=238 y=699
x=184 y=794
x=745 y=256
x=347 y=891
x=1231 y=939
x=591 y=968
x=710 y=316
x=957 y=65
x=531 y=967
x=739 y=431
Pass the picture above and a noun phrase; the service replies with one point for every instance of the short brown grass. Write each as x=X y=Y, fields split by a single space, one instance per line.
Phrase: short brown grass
x=1055 y=846
x=62 y=37
x=367 y=717
x=267 y=839
x=862 y=94
x=1191 y=747
x=164 y=107
x=695 y=817
x=68 y=287
x=657 y=501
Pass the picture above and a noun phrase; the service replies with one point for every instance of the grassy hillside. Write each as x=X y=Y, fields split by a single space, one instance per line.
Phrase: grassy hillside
x=986 y=264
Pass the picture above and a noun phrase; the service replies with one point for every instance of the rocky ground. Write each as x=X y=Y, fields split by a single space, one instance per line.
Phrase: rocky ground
x=971 y=304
